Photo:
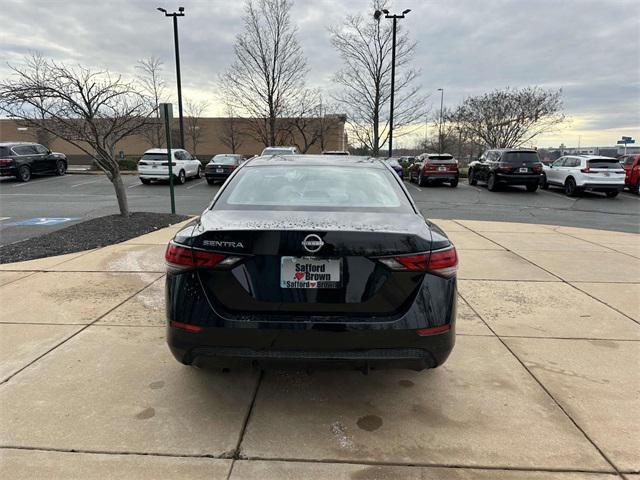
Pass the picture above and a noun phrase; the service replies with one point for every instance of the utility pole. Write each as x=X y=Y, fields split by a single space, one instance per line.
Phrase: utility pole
x=376 y=15
x=441 y=90
x=175 y=15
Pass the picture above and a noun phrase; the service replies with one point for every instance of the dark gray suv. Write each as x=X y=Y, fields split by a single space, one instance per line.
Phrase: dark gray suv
x=23 y=160
x=507 y=166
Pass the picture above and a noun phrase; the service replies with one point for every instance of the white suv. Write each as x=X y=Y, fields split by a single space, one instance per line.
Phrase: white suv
x=576 y=173
x=154 y=166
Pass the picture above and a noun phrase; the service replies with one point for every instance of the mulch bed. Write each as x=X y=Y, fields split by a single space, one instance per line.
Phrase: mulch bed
x=94 y=233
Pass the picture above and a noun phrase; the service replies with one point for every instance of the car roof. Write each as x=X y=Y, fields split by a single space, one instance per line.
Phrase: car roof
x=592 y=157
x=513 y=150
x=283 y=147
x=301 y=159
x=164 y=150
x=10 y=144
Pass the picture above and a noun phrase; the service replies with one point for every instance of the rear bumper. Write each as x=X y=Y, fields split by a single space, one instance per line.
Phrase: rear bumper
x=602 y=187
x=441 y=175
x=373 y=349
x=523 y=179
x=9 y=171
x=216 y=176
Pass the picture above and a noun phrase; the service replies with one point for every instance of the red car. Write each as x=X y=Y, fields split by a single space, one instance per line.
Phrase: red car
x=435 y=168
x=631 y=164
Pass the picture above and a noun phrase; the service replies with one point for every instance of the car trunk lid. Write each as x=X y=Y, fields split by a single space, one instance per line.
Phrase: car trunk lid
x=349 y=278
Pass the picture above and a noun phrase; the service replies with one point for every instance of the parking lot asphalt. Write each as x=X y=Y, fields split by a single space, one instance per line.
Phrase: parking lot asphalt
x=79 y=197
x=542 y=384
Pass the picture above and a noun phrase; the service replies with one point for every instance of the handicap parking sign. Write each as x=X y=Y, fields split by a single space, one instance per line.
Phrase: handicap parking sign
x=43 y=221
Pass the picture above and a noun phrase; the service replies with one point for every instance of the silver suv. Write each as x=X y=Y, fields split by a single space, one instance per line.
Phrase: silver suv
x=577 y=173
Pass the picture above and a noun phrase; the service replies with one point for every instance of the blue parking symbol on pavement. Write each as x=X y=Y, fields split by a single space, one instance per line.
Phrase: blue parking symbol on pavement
x=43 y=221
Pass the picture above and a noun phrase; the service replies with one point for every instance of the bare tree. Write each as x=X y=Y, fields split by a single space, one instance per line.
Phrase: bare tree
x=92 y=110
x=194 y=111
x=154 y=88
x=330 y=123
x=365 y=46
x=268 y=73
x=232 y=134
x=510 y=117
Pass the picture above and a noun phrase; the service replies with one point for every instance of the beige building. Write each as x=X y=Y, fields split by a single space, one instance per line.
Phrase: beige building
x=213 y=136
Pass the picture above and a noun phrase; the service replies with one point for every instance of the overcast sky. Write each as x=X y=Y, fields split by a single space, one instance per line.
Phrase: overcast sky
x=590 y=49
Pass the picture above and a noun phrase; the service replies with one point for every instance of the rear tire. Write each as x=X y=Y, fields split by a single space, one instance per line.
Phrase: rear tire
x=635 y=189
x=611 y=194
x=570 y=187
x=453 y=183
x=24 y=173
x=199 y=173
x=492 y=184
x=532 y=188
x=146 y=181
x=472 y=177
x=210 y=181
x=61 y=168
x=181 y=178
x=421 y=181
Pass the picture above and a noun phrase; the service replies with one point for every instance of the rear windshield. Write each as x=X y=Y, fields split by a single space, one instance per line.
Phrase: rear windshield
x=439 y=159
x=393 y=162
x=225 y=160
x=520 y=157
x=154 y=156
x=5 y=152
x=314 y=187
x=603 y=163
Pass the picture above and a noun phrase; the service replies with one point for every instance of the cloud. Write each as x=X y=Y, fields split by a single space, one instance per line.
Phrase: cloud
x=588 y=48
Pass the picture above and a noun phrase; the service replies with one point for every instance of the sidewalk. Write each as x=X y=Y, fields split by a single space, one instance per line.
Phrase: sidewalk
x=543 y=381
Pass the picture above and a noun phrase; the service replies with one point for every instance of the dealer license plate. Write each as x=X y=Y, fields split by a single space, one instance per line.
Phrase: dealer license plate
x=306 y=272
x=523 y=170
x=219 y=170
x=442 y=169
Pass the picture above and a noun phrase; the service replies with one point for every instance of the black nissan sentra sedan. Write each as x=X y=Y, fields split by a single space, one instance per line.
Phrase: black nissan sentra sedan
x=312 y=259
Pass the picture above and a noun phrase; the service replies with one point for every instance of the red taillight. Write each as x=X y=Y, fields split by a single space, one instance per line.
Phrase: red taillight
x=6 y=161
x=429 y=167
x=185 y=326
x=585 y=170
x=537 y=168
x=444 y=262
x=504 y=167
x=433 y=330
x=439 y=262
x=184 y=257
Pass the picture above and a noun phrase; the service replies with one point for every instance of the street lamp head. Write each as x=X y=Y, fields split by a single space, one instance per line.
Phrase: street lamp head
x=162 y=10
x=406 y=11
x=181 y=9
x=385 y=11
x=440 y=90
x=377 y=14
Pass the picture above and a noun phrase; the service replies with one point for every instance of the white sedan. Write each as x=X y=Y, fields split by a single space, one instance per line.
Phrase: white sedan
x=154 y=165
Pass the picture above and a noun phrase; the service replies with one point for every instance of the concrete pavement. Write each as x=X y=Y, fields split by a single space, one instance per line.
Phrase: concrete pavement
x=542 y=384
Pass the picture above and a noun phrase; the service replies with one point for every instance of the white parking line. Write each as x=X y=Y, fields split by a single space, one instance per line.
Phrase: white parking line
x=4 y=218
x=84 y=183
x=135 y=185
x=417 y=188
x=195 y=184
x=37 y=182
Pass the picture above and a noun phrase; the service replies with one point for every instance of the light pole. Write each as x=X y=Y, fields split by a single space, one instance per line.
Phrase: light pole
x=175 y=15
x=376 y=15
x=441 y=90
